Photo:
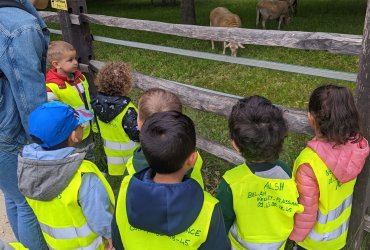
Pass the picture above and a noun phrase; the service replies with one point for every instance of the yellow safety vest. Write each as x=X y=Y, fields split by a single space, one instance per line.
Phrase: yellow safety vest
x=70 y=95
x=62 y=221
x=191 y=238
x=196 y=173
x=264 y=209
x=18 y=246
x=335 y=204
x=117 y=145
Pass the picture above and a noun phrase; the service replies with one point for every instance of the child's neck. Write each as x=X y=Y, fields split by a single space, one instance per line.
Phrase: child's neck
x=61 y=72
x=172 y=178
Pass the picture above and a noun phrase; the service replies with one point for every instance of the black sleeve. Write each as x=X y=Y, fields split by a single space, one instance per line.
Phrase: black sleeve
x=217 y=238
x=129 y=124
x=116 y=237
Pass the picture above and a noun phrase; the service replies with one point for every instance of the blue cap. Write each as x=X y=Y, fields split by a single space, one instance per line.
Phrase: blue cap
x=53 y=122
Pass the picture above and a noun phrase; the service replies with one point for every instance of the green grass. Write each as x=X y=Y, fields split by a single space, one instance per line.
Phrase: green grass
x=288 y=89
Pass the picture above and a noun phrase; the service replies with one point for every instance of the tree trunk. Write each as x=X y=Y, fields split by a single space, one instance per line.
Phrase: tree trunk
x=188 y=12
x=361 y=197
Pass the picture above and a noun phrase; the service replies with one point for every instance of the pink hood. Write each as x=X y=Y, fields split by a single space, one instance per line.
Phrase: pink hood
x=345 y=161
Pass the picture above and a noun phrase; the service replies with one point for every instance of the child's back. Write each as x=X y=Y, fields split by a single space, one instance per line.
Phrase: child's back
x=259 y=197
x=158 y=208
x=152 y=101
x=117 y=115
x=71 y=199
x=327 y=168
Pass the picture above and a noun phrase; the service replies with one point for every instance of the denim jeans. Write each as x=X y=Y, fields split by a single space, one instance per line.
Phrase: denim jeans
x=21 y=217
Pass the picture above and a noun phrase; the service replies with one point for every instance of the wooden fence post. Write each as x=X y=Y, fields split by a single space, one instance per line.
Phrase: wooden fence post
x=77 y=33
x=361 y=198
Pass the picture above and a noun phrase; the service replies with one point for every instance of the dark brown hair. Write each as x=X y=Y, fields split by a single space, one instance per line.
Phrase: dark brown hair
x=115 y=79
x=258 y=128
x=334 y=111
x=157 y=100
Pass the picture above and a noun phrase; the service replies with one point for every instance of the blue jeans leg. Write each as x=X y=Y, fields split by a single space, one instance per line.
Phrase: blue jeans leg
x=21 y=217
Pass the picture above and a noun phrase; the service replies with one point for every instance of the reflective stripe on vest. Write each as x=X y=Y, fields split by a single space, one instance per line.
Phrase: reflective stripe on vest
x=61 y=219
x=191 y=239
x=68 y=232
x=96 y=244
x=330 y=235
x=70 y=95
x=117 y=160
x=118 y=146
x=335 y=204
x=254 y=246
x=335 y=213
x=267 y=204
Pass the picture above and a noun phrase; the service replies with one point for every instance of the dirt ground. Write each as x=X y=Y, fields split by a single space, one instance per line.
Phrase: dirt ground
x=6 y=233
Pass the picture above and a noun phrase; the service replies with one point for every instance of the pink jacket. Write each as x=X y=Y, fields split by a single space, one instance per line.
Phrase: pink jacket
x=345 y=161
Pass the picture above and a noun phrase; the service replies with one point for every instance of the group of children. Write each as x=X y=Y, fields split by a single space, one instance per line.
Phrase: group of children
x=161 y=202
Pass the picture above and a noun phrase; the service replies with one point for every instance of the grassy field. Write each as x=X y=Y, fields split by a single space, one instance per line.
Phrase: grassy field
x=288 y=89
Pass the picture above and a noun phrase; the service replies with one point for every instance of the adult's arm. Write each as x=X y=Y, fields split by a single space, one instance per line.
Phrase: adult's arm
x=27 y=53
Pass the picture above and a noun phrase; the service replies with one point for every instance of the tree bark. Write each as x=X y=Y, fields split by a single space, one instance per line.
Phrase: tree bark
x=361 y=197
x=188 y=12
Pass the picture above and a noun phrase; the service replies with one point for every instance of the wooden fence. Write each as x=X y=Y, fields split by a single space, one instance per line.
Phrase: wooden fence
x=75 y=29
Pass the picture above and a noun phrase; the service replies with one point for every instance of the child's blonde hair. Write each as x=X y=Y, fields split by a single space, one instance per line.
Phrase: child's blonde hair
x=157 y=100
x=56 y=50
x=115 y=79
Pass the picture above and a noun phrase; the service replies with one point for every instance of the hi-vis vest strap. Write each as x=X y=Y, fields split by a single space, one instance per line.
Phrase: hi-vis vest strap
x=17 y=246
x=71 y=96
x=335 y=204
x=62 y=221
x=196 y=172
x=264 y=209
x=191 y=238
x=117 y=145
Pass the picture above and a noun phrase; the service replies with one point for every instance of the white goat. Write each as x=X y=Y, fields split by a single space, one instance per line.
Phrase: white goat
x=272 y=9
x=222 y=17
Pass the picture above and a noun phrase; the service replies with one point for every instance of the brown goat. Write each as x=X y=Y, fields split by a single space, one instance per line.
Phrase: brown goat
x=222 y=17
x=272 y=9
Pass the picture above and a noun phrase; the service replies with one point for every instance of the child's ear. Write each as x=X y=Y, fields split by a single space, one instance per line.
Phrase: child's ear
x=139 y=123
x=190 y=161
x=55 y=64
x=235 y=146
x=73 y=139
x=311 y=120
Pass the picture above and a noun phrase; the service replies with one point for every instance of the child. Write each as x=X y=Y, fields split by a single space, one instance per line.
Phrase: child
x=327 y=168
x=159 y=207
x=72 y=201
x=258 y=198
x=117 y=116
x=67 y=84
x=152 y=101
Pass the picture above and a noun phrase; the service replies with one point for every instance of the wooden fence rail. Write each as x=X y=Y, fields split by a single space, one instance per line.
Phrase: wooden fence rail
x=333 y=42
x=214 y=102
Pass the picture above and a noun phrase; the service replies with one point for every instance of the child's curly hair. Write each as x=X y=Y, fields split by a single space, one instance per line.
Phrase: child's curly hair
x=115 y=79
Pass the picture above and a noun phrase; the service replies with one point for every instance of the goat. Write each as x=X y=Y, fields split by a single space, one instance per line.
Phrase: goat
x=222 y=17
x=272 y=9
x=293 y=5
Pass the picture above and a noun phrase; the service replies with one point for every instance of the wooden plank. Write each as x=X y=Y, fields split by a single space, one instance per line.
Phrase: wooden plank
x=209 y=100
x=219 y=150
x=336 y=43
x=78 y=34
x=361 y=197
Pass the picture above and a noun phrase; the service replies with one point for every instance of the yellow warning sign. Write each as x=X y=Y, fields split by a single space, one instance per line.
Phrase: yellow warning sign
x=59 y=4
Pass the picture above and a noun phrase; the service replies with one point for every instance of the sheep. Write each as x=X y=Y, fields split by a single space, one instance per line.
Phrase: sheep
x=272 y=9
x=222 y=17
